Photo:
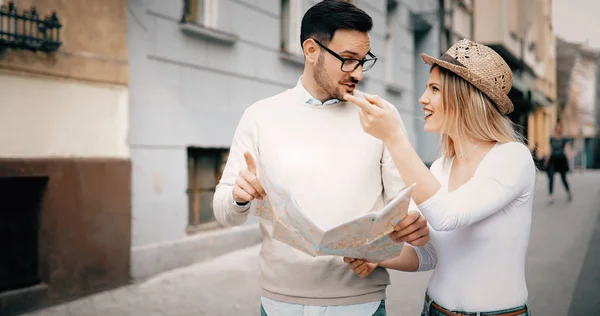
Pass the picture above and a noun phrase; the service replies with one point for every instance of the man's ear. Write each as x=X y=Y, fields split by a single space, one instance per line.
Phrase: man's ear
x=311 y=50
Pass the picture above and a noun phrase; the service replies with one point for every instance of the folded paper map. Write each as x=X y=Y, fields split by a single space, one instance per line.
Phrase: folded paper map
x=366 y=237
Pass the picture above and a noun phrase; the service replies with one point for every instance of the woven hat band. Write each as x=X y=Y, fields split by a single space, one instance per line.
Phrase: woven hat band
x=452 y=60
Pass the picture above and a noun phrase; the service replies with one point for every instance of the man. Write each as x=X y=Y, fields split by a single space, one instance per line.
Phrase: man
x=313 y=144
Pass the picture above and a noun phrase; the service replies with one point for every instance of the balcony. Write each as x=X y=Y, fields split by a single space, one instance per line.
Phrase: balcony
x=502 y=25
x=28 y=30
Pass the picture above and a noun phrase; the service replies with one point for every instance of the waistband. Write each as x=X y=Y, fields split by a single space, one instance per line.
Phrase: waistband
x=506 y=312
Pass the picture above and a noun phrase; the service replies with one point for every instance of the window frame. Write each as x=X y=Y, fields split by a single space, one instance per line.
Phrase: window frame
x=290 y=22
x=194 y=191
x=209 y=8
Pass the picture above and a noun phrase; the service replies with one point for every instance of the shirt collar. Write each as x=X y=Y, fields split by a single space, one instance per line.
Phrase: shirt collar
x=307 y=98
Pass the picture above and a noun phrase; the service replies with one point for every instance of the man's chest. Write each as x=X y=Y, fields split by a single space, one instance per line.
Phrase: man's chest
x=333 y=146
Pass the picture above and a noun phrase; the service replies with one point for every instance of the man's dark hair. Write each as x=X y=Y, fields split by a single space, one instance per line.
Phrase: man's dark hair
x=323 y=19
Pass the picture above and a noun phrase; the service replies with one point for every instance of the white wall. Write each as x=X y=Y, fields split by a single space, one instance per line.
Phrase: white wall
x=49 y=117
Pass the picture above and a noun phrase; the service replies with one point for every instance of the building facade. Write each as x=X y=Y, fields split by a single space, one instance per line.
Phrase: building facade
x=578 y=96
x=64 y=159
x=542 y=119
x=196 y=66
x=457 y=22
x=521 y=32
x=596 y=163
x=435 y=28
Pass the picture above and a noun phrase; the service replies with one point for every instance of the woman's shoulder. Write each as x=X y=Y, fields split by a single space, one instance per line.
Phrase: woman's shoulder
x=515 y=147
x=511 y=164
x=515 y=153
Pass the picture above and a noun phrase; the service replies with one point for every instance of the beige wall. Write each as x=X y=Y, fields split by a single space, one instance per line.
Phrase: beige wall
x=73 y=102
x=546 y=50
x=515 y=24
x=64 y=117
x=545 y=66
x=489 y=21
x=460 y=19
x=578 y=115
x=45 y=117
x=541 y=126
x=94 y=42
x=494 y=22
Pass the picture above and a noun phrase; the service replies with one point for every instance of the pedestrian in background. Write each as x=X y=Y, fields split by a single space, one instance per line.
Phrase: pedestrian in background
x=558 y=161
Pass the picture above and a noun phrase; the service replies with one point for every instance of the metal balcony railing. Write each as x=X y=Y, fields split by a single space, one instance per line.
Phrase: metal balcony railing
x=28 y=30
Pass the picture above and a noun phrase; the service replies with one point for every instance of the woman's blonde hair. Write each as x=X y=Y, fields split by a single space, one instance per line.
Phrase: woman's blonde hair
x=472 y=114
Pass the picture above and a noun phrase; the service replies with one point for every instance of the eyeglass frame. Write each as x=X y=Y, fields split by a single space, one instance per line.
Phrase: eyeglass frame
x=361 y=62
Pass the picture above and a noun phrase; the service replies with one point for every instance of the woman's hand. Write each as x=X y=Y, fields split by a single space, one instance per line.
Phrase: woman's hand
x=360 y=267
x=379 y=118
x=412 y=229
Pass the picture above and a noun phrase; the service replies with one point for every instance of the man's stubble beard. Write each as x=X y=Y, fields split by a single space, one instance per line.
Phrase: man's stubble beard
x=322 y=79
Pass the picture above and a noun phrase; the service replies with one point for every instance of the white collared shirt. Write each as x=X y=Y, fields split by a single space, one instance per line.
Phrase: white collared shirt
x=309 y=99
x=274 y=308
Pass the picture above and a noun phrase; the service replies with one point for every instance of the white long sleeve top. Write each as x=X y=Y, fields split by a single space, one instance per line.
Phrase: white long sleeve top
x=480 y=232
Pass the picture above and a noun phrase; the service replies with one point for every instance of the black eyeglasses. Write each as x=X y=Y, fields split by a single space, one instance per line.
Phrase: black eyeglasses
x=350 y=64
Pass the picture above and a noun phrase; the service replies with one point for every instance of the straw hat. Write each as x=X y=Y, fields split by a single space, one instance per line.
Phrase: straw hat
x=482 y=67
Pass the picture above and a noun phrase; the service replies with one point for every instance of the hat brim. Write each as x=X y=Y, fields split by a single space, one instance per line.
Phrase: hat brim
x=502 y=101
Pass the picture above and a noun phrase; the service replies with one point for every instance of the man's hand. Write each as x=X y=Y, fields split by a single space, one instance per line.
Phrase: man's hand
x=360 y=267
x=412 y=229
x=247 y=187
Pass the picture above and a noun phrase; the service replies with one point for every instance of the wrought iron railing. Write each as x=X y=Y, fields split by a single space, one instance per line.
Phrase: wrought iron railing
x=28 y=30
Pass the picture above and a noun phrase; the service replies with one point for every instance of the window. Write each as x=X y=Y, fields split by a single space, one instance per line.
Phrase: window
x=20 y=227
x=291 y=18
x=202 y=12
x=391 y=25
x=457 y=22
x=205 y=167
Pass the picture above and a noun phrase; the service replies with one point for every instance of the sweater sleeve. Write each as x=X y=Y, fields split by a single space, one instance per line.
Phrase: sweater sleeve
x=427 y=256
x=244 y=139
x=506 y=176
x=392 y=181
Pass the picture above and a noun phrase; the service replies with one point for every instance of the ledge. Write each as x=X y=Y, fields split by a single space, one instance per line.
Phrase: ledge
x=394 y=89
x=293 y=59
x=16 y=302
x=149 y=260
x=193 y=229
x=199 y=31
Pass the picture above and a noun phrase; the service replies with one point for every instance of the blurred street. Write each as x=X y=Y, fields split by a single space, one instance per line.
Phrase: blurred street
x=563 y=271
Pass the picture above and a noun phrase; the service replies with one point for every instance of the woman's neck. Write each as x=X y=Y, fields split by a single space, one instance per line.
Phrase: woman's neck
x=466 y=149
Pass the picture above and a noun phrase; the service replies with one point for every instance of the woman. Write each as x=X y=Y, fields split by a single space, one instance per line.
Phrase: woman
x=477 y=197
x=558 y=161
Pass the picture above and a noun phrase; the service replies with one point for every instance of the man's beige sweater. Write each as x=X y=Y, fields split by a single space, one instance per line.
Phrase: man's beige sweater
x=336 y=172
